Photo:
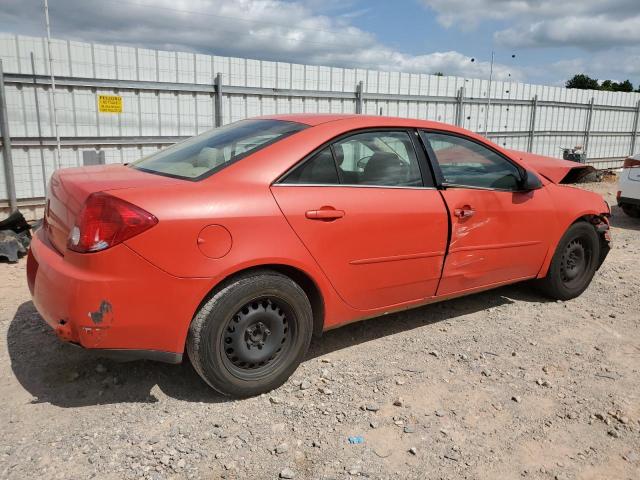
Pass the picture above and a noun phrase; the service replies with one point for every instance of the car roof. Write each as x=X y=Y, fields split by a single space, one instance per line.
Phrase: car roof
x=311 y=119
x=356 y=120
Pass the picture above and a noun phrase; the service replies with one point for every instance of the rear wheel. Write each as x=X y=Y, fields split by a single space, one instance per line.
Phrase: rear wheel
x=251 y=335
x=631 y=210
x=574 y=263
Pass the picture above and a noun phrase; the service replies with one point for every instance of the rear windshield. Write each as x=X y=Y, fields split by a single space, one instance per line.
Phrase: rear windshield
x=200 y=156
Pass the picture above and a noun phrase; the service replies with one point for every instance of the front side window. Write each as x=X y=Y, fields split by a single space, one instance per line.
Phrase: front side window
x=211 y=151
x=467 y=163
x=368 y=158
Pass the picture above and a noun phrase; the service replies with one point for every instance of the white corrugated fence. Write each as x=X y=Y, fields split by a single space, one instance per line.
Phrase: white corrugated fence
x=170 y=95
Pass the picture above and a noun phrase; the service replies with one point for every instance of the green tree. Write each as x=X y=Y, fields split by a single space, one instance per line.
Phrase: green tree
x=608 y=85
x=625 y=86
x=583 y=82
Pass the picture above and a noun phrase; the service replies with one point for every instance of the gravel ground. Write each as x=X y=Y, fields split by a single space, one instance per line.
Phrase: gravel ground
x=499 y=385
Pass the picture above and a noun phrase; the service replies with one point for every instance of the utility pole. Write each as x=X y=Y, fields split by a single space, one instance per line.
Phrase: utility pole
x=56 y=163
x=6 y=146
x=37 y=105
x=486 y=113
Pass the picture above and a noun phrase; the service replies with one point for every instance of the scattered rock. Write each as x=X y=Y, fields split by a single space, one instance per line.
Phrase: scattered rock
x=413 y=451
x=282 y=448
x=287 y=473
x=305 y=385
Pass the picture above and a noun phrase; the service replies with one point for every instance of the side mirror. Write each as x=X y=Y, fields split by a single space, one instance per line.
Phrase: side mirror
x=529 y=181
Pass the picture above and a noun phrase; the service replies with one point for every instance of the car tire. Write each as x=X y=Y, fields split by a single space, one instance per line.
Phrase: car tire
x=251 y=335
x=574 y=263
x=631 y=210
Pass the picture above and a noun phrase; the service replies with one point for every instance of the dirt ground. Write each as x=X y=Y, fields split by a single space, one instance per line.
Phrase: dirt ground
x=499 y=385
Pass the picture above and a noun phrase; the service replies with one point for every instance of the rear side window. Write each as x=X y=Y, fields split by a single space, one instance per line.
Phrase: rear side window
x=469 y=164
x=200 y=156
x=383 y=158
x=318 y=170
x=378 y=158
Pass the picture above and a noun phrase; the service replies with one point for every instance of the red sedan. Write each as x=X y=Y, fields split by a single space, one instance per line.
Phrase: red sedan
x=241 y=243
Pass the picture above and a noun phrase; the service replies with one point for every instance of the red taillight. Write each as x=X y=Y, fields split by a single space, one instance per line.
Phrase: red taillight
x=105 y=221
x=631 y=163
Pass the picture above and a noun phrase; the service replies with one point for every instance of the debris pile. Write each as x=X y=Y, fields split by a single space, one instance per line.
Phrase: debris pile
x=15 y=237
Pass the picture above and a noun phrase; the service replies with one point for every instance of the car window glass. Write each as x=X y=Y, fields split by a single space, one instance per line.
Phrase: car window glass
x=467 y=163
x=199 y=156
x=377 y=158
x=318 y=170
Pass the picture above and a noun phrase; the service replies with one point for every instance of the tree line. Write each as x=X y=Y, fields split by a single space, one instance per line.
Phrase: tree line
x=585 y=82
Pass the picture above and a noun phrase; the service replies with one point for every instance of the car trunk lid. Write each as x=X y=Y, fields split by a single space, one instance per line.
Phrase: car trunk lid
x=70 y=187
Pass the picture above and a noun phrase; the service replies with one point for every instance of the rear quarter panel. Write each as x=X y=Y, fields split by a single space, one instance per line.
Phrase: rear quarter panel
x=260 y=235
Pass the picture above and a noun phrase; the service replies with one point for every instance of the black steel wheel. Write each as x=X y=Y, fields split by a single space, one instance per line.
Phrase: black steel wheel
x=573 y=264
x=251 y=335
x=258 y=336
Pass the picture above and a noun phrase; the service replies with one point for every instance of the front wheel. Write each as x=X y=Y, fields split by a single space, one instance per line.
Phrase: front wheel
x=574 y=263
x=251 y=335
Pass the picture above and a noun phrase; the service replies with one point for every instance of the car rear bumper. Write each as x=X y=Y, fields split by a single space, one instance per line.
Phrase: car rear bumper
x=114 y=301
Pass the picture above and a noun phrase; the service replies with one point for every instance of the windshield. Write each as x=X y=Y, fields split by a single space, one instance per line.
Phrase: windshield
x=200 y=156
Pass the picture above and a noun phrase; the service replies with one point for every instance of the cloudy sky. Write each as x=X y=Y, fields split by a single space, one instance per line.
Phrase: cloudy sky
x=551 y=39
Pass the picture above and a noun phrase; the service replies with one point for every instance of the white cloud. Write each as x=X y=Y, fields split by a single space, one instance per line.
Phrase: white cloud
x=266 y=29
x=587 y=24
x=591 y=33
x=617 y=65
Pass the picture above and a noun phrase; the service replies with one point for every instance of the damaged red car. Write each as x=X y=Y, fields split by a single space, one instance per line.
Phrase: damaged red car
x=238 y=245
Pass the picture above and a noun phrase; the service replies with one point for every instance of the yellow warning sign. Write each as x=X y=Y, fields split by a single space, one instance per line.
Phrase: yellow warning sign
x=109 y=103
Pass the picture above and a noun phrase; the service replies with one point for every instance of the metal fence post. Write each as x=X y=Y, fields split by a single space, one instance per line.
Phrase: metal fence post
x=587 y=130
x=218 y=99
x=37 y=105
x=634 y=134
x=460 y=107
x=359 y=99
x=532 y=125
x=6 y=146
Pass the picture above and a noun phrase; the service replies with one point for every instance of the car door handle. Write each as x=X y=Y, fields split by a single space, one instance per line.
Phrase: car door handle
x=464 y=212
x=326 y=214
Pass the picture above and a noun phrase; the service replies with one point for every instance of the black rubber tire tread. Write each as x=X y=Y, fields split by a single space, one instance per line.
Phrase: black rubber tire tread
x=552 y=285
x=212 y=317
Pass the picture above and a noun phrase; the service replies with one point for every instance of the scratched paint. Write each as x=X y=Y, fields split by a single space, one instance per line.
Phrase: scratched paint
x=104 y=314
